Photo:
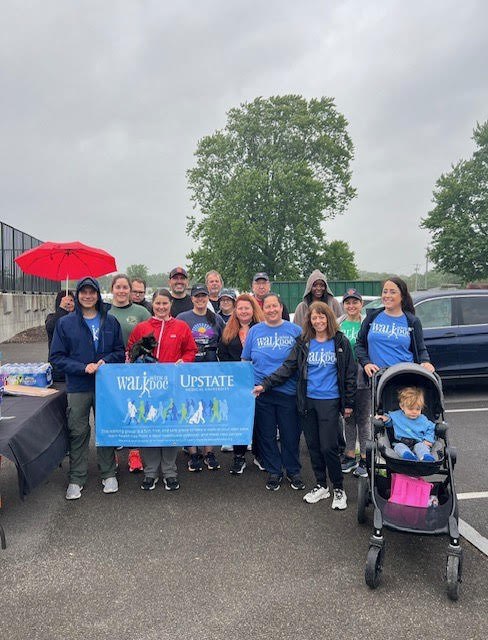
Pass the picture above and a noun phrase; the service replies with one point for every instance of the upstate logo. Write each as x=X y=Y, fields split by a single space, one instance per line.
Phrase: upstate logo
x=207 y=382
x=143 y=384
x=275 y=342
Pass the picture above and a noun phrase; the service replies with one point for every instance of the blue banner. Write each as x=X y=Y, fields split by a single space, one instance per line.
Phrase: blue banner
x=174 y=405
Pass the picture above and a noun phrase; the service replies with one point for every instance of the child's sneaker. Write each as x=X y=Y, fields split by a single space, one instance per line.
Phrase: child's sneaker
x=195 y=462
x=340 y=499
x=211 y=461
x=348 y=464
x=360 y=471
x=428 y=458
x=135 y=461
x=409 y=455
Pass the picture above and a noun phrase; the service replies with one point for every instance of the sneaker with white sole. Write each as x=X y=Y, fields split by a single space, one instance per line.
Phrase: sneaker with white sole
x=227 y=448
x=148 y=484
x=238 y=465
x=110 y=485
x=258 y=464
x=73 y=492
x=360 y=471
x=340 y=499
x=317 y=493
x=348 y=464
x=171 y=484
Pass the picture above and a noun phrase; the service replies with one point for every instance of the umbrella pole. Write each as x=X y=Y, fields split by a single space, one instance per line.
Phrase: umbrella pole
x=66 y=284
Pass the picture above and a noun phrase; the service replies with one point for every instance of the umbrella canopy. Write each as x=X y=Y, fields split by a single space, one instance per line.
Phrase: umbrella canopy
x=66 y=260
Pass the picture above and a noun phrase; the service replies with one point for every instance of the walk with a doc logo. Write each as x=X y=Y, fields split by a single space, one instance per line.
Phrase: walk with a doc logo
x=143 y=384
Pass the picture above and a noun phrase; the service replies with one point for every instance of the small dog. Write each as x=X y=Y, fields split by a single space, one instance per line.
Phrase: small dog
x=141 y=351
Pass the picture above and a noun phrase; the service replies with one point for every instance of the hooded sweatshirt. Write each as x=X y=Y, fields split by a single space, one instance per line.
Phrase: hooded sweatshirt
x=175 y=341
x=328 y=298
x=72 y=347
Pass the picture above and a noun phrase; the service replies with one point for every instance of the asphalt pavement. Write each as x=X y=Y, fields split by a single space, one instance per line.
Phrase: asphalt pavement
x=225 y=559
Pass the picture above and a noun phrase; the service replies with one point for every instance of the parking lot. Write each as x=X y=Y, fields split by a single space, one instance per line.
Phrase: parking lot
x=224 y=558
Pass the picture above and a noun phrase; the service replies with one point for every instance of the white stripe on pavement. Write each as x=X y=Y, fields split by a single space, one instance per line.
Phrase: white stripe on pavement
x=472 y=495
x=472 y=536
x=466 y=410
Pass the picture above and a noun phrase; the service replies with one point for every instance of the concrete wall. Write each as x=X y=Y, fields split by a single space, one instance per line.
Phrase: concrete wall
x=21 y=311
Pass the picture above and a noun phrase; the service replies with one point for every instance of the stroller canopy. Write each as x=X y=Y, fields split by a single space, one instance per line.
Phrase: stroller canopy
x=407 y=374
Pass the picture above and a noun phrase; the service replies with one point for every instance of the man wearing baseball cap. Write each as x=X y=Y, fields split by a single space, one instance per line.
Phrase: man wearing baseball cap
x=178 y=284
x=260 y=287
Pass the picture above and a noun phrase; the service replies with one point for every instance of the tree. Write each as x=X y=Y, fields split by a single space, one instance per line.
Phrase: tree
x=459 y=221
x=137 y=271
x=264 y=185
x=337 y=261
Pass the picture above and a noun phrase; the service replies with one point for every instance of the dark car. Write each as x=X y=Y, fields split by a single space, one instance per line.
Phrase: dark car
x=455 y=323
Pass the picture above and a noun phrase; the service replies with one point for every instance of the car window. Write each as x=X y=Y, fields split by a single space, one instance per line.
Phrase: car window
x=473 y=309
x=434 y=313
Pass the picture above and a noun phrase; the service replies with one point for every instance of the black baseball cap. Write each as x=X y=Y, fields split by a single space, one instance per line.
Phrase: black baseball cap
x=228 y=293
x=352 y=293
x=199 y=288
x=178 y=270
x=261 y=276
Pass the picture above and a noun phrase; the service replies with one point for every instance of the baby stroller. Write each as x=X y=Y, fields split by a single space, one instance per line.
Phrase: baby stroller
x=440 y=517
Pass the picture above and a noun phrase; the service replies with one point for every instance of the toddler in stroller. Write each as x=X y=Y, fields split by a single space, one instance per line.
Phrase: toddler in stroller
x=436 y=513
x=411 y=428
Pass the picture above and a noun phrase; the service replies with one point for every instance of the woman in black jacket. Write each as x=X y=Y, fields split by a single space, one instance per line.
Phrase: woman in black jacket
x=326 y=388
x=392 y=334
x=64 y=304
x=246 y=313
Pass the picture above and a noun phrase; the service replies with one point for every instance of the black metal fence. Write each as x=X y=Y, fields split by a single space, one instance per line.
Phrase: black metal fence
x=12 y=243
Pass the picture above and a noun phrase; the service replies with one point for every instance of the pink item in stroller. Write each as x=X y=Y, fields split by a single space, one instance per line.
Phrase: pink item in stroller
x=413 y=492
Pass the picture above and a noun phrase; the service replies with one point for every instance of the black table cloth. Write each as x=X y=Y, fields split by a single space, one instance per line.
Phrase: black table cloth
x=36 y=440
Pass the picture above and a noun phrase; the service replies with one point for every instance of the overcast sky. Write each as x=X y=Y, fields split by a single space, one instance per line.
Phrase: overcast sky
x=103 y=103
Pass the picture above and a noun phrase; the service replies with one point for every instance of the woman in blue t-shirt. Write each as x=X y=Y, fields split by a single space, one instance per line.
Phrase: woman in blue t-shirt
x=392 y=334
x=267 y=346
x=323 y=358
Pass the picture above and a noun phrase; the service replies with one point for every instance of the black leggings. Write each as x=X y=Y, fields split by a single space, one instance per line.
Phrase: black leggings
x=323 y=434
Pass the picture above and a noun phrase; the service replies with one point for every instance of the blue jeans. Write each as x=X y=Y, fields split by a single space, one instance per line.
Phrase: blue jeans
x=276 y=409
x=420 y=449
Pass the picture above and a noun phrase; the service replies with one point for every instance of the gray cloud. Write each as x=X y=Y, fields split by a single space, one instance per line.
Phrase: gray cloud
x=103 y=104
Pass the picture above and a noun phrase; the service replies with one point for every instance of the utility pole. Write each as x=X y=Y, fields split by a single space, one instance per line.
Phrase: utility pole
x=426 y=265
x=416 y=276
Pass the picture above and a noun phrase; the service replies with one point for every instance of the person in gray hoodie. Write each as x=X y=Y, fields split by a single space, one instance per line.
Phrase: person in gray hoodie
x=316 y=289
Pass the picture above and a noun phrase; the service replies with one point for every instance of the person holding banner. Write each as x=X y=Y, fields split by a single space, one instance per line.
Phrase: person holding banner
x=82 y=342
x=267 y=346
x=326 y=387
x=206 y=327
x=175 y=343
x=246 y=314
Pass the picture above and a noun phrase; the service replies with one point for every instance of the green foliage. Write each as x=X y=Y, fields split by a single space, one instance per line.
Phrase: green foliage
x=337 y=261
x=264 y=185
x=415 y=281
x=459 y=220
x=137 y=271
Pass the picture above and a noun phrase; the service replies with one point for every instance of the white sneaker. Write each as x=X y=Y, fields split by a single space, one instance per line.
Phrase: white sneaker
x=227 y=448
x=110 y=485
x=340 y=499
x=317 y=493
x=73 y=492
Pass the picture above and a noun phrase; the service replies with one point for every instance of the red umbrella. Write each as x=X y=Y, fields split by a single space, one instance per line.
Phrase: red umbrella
x=66 y=260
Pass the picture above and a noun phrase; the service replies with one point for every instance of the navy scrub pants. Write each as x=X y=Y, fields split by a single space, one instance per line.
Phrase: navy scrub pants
x=276 y=409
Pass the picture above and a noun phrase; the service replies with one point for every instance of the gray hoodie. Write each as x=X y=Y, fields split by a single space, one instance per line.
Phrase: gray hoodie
x=302 y=308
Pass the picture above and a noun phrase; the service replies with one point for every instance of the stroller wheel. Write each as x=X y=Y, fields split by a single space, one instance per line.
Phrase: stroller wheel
x=363 y=499
x=453 y=574
x=374 y=565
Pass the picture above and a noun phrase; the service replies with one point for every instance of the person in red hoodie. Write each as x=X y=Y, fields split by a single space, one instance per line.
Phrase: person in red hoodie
x=175 y=343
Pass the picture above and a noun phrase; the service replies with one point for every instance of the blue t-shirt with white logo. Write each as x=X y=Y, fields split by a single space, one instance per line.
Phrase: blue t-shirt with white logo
x=267 y=348
x=94 y=326
x=322 y=371
x=389 y=340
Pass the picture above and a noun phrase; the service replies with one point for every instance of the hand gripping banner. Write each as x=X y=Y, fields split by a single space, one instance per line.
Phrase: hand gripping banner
x=174 y=405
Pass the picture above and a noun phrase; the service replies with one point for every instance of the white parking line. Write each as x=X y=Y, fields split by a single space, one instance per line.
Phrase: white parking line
x=472 y=495
x=472 y=536
x=466 y=410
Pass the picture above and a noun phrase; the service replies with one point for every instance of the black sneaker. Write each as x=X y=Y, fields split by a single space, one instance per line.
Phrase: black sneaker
x=148 y=484
x=360 y=471
x=171 y=484
x=274 y=482
x=195 y=462
x=211 y=461
x=238 y=465
x=296 y=482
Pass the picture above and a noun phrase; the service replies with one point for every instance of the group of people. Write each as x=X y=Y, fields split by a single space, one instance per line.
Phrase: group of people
x=310 y=375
